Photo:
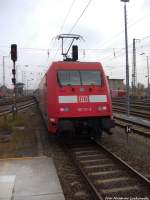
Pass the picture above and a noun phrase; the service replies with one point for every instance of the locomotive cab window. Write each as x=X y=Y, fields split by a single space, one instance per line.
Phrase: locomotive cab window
x=79 y=77
x=91 y=77
x=68 y=78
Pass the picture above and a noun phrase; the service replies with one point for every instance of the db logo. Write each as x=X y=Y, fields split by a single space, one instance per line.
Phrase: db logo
x=83 y=99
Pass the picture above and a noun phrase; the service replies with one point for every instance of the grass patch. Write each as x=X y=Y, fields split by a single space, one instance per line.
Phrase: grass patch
x=9 y=123
x=18 y=121
x=23 y=142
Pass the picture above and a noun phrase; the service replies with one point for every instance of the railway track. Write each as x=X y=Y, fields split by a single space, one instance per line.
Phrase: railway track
x=139 y=127
x=106 y=174
x=137 y=108
x=144 y=106
x=140 y=113
x=133 y=101
x=9 y=101
x=20 y=106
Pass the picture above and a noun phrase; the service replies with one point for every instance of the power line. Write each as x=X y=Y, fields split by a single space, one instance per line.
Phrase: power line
x=64 y=21
x=86 y=7
x=116 y=36
x=68 y=13
x=129 y=26
x=148 y=36
x=117 y=54
x=25 y=48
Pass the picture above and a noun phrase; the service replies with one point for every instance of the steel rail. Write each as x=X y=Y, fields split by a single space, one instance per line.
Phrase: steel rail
x=133 y=106
x=126 y=166
x=20 y=108
x=136 y=131
x=88 y=181
x=131 y=121
x=91 y=187
x=135 y=113
x=6 y=102
x=131 y=100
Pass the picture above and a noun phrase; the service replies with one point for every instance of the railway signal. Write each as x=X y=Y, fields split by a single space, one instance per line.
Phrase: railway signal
x=13 y=81
x=14 y=59
x=14 y=52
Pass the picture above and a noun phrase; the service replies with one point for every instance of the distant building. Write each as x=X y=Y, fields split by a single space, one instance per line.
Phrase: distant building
x=19 y=88
x=1 y=94
x=117 y=87
x=4 y=89
x=116 y=84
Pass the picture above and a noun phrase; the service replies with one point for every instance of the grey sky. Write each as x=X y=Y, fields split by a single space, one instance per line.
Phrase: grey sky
x=32 y=24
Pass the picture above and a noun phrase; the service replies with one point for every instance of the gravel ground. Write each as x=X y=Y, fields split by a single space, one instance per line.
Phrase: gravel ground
x=26 y=141
x=132 y=148
x=72 y=183
x=29 y=137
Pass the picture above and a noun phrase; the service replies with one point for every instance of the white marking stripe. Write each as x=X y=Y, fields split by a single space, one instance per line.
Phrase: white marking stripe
x=68 y=99
x=74 y=99
x=97 y=98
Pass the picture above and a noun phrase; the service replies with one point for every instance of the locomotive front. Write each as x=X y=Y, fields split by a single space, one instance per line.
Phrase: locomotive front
x=82 y=99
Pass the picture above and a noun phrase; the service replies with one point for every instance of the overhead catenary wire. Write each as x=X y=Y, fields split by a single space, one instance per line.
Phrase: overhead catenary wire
x=78 y=19
x=130 y=46
x=129 y=26
x=116 y=36
x=62 y=26
x=45 y=49
x=118 y=51
x=76 y=22
x=67 y=15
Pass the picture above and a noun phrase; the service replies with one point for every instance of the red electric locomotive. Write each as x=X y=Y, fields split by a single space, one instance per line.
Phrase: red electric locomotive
x=74 y=96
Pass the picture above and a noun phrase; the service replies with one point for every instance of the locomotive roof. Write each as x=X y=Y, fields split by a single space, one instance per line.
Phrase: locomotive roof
x=76 y=62
x=68 y=64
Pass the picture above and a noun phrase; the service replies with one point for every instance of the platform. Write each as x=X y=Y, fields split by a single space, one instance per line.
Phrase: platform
x=29 y=179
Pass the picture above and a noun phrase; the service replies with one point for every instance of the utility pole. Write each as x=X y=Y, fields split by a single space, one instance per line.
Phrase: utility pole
x=127 y=62
x=134 y=72
x=3 y=70
x=148 y=86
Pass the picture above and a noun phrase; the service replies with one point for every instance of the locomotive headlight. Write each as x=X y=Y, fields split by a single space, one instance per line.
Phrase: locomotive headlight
x=61 y=109
x=104 y=107
x=52 y=119
x=101 y=108
x=66 y=109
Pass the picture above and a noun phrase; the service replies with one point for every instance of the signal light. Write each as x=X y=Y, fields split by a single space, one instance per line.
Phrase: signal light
x=74 y=52
x=14 y=52
x=13 y=81
x=13 y=71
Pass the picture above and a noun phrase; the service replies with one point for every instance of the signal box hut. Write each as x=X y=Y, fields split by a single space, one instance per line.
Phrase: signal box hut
x=117 y=87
